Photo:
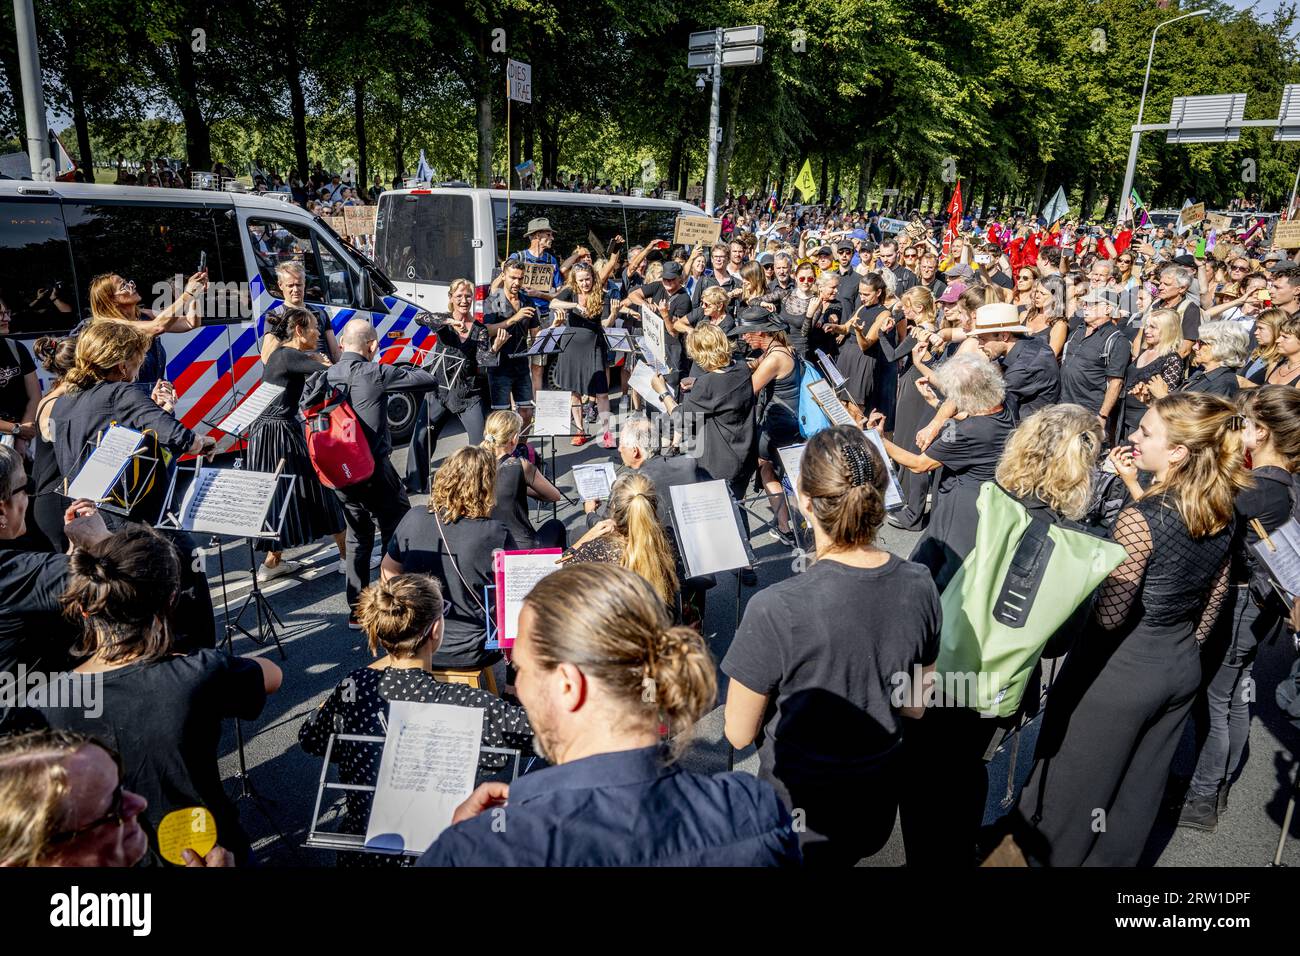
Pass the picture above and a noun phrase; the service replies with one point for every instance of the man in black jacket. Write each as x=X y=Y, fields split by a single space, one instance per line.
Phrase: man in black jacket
x=380 y=500
x=637 y=439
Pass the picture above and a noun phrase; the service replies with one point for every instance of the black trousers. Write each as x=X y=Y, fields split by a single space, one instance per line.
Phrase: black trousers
x=378 y=502
x=429 y=423
x=1112 y=724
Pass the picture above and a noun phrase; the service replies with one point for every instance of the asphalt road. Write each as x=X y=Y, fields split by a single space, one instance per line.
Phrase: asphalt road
x=321 y=651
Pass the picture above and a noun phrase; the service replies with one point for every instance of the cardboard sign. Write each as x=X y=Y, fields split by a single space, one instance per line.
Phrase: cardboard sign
x=337 y=223
x=696 y=230
x=1217 y=223
x=1192 y=214
x=360 y=219
x=1286 y=235
x=539 y=276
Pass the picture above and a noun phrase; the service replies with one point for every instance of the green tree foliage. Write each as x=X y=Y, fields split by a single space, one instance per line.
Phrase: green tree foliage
x=1014 y=97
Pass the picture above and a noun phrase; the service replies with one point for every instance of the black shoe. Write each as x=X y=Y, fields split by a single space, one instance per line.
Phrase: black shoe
x=748 y=578
x=353 y=623
x=1200 y=813
x=785 y=537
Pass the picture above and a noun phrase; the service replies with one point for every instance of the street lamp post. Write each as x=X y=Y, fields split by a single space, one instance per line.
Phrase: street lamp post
x=1131 y=168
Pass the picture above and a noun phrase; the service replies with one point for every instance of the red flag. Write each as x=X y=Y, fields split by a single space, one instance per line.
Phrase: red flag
x=954 y=219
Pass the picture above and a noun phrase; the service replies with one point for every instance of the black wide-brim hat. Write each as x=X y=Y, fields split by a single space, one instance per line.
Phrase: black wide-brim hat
x=756 y=319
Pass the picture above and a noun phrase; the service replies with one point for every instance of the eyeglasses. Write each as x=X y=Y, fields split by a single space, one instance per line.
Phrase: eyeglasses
x=115 y=814
x=446 y=607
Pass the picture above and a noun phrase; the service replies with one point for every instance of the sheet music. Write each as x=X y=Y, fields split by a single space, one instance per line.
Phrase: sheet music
x=707 y=528
x=1284 y=563
x=640 y=382
x=825 y=397
x=551 y=415
x=647 y=358
x=548 y=340
x=105 y=464
x=519 y=572
x=791 y=458
x=228 y=501
x=251 y=408
x=832 y=372
x=893 y=493
x=427 y=769
x=653 y=326
x=619 y=340
x=594 y=482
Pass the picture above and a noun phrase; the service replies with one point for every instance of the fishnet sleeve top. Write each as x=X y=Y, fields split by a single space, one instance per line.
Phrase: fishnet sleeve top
x=1168 y=578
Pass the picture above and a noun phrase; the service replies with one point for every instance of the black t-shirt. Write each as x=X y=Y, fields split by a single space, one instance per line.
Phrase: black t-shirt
x=679 y=306
x=275 y=325
x=831 y=688
x=165 y=718
x=33 y=630
x=1192 y=322
x=15 y=364
x=498 y=309
x=418 y=548
x=1089 y=362
x=969 y=449
x=289 y=368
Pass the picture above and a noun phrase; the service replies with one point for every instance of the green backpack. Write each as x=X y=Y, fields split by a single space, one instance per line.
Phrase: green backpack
x=1020 y=583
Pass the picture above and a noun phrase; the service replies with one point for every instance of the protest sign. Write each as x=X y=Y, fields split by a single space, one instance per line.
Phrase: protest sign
x=696 y=230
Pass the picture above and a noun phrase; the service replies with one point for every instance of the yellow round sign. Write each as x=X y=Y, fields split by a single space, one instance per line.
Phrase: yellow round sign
x=192 y=828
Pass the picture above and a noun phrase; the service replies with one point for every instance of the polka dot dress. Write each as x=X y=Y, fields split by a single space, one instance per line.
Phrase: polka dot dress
x=355 y=707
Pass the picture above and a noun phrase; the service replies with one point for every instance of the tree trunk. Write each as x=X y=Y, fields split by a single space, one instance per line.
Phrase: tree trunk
x=298 y=111
x=399 y=146
x=1038 y=193
x=359 y=127
x=1089 y=195
x=920 y=189
x=984 y=201
x=198 y=137
x=1112 y=199
x=835 y=187
x=865 y=171
x=675 y=158
x=483 y=110
x=821 y=181
x=76 y=88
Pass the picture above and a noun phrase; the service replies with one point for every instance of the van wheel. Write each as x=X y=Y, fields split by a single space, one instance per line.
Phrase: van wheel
x=401 y=416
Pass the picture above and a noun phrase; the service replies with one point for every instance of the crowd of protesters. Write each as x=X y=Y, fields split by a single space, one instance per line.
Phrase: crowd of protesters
x=1135 y=388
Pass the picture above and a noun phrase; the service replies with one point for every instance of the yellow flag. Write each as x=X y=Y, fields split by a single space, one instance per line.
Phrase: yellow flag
x=805 y=183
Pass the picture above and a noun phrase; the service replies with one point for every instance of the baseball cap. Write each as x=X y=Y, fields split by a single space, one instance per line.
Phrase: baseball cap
x=672 y=270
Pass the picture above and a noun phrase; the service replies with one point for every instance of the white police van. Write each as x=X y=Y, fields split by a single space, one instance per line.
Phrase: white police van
x=56 y=237
x=426 y=238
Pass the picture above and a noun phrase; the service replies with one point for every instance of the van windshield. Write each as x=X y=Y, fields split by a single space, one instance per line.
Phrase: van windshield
x=576 y=224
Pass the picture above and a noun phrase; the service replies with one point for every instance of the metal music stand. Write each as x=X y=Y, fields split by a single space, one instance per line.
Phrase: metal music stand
x=120 y=498
x=318 y=839
x=446 y=366
x=744 y=540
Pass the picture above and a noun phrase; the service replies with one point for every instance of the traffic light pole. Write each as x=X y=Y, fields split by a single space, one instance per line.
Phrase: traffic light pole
x=715 y=127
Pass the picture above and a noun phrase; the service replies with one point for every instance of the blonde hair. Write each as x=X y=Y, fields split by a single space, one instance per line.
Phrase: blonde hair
x=849 y=514
x=620 y=636
x=456 y=284
x=921 y=300
x=714 y=296
x=596 y=297
x=101 y=348
x=1051 y=455
x=1273 y=318
x=654 y=272
x=1204 y=484
x=34 y=788
x=633 y=507
x=708 y=346
x=1170 y=324
x=103 y=299
x=397 y=614
x=465 y=485
x=502 y=427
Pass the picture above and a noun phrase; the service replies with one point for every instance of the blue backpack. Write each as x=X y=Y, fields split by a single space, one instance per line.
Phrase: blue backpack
x=811 y=417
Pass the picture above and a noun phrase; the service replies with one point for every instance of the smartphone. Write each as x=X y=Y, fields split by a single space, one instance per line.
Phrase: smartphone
x=203 y=261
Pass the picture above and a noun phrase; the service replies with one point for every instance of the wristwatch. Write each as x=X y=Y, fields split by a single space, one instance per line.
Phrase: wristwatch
x=665 y=394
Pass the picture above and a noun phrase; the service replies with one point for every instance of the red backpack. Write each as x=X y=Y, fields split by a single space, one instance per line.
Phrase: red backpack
x=336 y=443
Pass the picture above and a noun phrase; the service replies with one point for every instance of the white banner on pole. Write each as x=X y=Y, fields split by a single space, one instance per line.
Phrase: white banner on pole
x=521 y=81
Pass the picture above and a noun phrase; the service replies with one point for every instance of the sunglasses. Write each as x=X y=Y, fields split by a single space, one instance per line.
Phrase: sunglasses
x=1240 y=268
x=807 y=279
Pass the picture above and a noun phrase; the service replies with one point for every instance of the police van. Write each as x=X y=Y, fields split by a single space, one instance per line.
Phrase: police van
x=56 y=237
x=427 y=238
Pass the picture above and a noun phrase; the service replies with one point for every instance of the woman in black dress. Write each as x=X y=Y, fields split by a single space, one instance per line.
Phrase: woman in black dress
x=864 y=342
x=402 y=618
x=917 y=317
x=277 y=436
x=580 y=366
x=1162 y=334
x=1116 y=714
x=967 y=451
x=46 y=508
x=467 y=350
x=518 y=480
x=722 y=403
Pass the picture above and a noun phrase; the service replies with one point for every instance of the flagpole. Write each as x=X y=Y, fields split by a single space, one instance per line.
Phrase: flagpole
x=508 y=161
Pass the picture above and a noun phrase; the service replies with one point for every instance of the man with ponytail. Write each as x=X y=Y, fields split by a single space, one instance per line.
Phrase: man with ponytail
x=612 y=690
x=825 y=664
x=1117 y=712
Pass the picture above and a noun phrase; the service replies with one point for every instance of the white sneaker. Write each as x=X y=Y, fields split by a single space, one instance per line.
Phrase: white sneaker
x=343 y=566
x=286 y=566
